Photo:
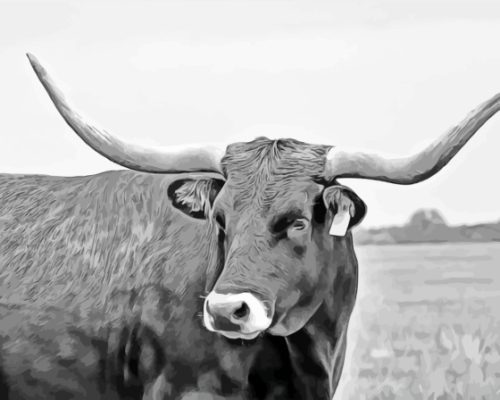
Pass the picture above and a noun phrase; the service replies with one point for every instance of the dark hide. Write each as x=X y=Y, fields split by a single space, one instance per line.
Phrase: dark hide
x=48 y=352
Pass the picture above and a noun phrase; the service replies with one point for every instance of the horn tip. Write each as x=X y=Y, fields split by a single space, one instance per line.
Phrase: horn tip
x=35 y=63
x=31 y=57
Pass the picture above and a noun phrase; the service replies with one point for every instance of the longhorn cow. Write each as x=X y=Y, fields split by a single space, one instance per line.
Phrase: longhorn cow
x=252 y=240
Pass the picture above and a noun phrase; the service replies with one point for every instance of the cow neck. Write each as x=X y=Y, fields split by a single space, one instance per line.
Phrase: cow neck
x=317 y=351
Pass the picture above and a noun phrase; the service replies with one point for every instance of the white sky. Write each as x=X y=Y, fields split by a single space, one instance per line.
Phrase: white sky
x=386 y=75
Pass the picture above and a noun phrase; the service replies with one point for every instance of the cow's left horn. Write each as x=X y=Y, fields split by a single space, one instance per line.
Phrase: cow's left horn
x=174 y=159
x=415 y=168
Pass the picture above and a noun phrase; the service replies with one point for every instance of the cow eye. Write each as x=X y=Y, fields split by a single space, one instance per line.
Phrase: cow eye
x=299 y=224
x=289 y=223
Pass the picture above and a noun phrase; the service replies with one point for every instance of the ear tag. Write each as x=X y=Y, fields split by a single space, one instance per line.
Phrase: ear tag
x=340 y=223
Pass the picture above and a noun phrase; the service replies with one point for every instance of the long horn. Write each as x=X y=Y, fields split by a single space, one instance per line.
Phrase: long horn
x=415 y=168
x=174 y=159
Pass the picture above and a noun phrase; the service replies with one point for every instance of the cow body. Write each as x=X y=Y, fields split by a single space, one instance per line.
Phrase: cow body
x=50 y=352
x=73 y=243
x=63 y=237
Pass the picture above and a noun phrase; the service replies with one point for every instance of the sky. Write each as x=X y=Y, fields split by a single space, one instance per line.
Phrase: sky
x=383 y=75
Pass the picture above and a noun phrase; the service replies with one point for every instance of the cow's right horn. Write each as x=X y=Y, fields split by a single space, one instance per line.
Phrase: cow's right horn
x=174 y=159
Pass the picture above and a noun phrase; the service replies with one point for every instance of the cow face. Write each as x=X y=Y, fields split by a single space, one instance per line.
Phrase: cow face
x=272 y=217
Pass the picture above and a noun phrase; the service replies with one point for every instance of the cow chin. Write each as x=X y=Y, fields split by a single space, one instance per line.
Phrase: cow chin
x=239 y=335
x=292 y=321
x=285 y=329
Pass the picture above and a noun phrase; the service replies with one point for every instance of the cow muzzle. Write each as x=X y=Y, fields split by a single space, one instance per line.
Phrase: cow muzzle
x=236 y=316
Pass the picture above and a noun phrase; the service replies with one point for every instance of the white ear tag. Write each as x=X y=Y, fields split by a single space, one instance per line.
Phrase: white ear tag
x=340 y=223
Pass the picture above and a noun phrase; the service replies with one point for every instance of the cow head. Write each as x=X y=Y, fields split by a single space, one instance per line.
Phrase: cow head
x=273 y=216
x=272 y=207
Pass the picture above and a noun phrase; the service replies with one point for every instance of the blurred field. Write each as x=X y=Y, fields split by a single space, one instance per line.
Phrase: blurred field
x=426 y=323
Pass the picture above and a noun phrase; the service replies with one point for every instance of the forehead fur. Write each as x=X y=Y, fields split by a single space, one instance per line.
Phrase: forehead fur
x=263 y=170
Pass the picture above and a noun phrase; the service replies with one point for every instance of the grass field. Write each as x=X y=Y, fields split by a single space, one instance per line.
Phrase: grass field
x=426 y=324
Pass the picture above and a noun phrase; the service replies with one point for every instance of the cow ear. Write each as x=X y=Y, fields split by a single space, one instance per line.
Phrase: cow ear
x=194 y=197
x=347 y=208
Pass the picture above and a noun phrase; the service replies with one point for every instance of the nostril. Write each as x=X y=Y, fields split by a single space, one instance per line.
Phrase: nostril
x=241 y=312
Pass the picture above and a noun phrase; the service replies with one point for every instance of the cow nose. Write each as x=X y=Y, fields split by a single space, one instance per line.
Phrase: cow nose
x=239 y=315
x=235 y=312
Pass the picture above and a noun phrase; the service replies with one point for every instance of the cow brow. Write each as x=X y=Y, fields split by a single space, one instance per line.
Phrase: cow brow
x=294 y=212
x=283 y=219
